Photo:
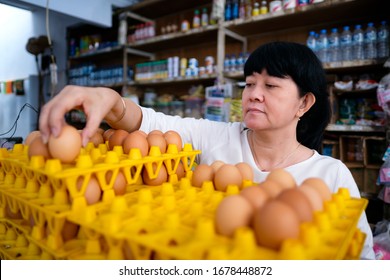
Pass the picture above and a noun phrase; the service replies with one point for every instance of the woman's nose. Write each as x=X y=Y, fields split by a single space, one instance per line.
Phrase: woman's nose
x=256 y=94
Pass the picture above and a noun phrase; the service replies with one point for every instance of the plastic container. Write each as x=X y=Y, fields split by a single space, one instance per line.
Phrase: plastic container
x=383 y=40
x=370 y=40
x=323 y=46
x=228 y=10
x=346 y=44
x=358 y=43
x=196 y=19
x=311 y=41
x=256 y=9
x=235 y=9
x=205 y=17
x=263 y=8
x=334 y=46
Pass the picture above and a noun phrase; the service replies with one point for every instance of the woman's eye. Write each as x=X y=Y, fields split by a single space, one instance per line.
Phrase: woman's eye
x=270 y=86
x=248 y=85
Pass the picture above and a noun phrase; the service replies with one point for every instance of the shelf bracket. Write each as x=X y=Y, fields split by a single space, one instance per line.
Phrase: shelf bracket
x=238 y=38
x=135 y=16
x=140 y=53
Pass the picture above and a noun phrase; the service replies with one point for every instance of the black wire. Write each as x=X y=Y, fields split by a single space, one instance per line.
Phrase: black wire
x=15 y=125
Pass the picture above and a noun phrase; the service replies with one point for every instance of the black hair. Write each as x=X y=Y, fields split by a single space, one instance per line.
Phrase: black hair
x=282 y=59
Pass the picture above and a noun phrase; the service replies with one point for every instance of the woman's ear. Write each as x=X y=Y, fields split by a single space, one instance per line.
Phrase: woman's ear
x=307 y=102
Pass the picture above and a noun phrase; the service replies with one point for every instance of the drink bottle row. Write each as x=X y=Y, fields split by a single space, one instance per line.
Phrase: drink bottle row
x=363 y=42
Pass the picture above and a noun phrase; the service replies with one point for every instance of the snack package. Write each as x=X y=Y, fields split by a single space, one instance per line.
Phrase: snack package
x=382 y=241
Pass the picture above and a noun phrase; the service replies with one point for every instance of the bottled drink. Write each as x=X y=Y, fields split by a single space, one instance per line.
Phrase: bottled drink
x=346 y=44
x=233 y=63
x=240 y=62
x=383 y=40
x=358 y=43
x=311 y=41
x=196 y=20
x=322 y=46
x=370 y=41
x=256 y=9
x=205 y=17
x=226 y=63
x=263 y=8
x=235 y=9
x=228 y=10
x=241 y=12
x=248 y=9
x=334 y=46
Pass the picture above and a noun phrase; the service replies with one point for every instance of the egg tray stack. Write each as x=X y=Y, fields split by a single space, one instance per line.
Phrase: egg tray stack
x=40 y=194
x=177 y=222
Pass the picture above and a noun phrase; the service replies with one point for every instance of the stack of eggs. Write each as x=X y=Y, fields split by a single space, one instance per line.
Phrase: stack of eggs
x=274 y=208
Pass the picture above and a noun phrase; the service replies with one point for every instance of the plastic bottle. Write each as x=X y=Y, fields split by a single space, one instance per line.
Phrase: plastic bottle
x=228 y=10
x=226 y=63
x=346 y=44
x=383 y=40
x=196 y=19
x=240 y=62
x=263 y=8
x=248 y=9
x=241 y=13
x=334 y=46
x=358 y=43
x=370 y=41
x=205 y=17
x=311 y=41
x=322 y=46
x=233 y=63
x=235 y=9
x=256 y=9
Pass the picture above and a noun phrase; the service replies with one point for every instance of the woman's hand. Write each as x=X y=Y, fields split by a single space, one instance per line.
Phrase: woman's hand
x=97 y=104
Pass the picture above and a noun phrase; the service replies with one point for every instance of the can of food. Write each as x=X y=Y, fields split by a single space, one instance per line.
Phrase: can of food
x=275 y=6
x=289 y=4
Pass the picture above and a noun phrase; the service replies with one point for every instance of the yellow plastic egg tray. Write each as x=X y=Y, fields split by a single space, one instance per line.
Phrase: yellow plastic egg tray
x=174 y=220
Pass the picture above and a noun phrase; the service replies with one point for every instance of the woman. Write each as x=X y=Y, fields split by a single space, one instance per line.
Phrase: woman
x=285 y=108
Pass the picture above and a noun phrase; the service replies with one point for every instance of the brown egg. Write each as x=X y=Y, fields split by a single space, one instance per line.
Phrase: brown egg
x=161 y=177
x=272 y=188
x=93 y=192
x=172 y=137
x=96 y=139
x=313 y=196
x=245 y=170
x=31 y=136
x=233 y=212
x=108 y=133
x=275 y=222
x=298 y=201
x=320 y=186
x=217 y=164
x=120 y=182
x=202 y=173
x=256 y=196
x=38 y=148
x=136 y=140
x=67 y=146
x=100 y=130
x=156 y=131
x=158 y=140
x=180 y=172
x=117 y=138
x=283 y=178
x=69 y=231
x=227 y=174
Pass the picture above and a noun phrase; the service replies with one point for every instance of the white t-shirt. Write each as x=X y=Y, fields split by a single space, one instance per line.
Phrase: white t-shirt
x=228 y=142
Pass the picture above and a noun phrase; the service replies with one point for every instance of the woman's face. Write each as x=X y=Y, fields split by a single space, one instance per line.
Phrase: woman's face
x=270 y=102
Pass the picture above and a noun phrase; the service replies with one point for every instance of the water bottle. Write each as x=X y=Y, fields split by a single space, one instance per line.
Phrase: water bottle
x=334 y=46
x=240 y=62
x=235 y=10
x=228 y=11
x=346 y=44
x=383 y=40
x=370 y=41
x=358 y=43
x=311 y=41
x=322 y=45
x=226 y=64
x=233 y=63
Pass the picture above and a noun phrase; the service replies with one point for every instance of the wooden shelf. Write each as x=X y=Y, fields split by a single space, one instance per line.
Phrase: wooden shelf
x=174 y=80
x=354 y=128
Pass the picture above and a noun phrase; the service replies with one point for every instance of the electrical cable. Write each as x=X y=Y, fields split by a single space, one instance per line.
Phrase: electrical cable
x=15 y=125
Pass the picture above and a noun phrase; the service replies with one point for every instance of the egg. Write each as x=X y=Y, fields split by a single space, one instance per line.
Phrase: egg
x=298 y=201
x=93 y=192
x=120 y=182
x=232 y=212
x=217 y=164
x=245 y=170
x=319 y=185
x=156 y=131
x=108 y=133
x=38 y=148
x=69 y=231
x=100 y=131
x=180 y=171
x=313 y=196
x=31 y=136
x=67 y=146
x=136 y=140
x=227 y=174
x=96 y=139
x=172 y=137
x=117 y=138
x=282 y=177
x=272 y=188
x=162 y=176
x=202 y=173
x=275 y=222
x=256 y=196
x=158 y=140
